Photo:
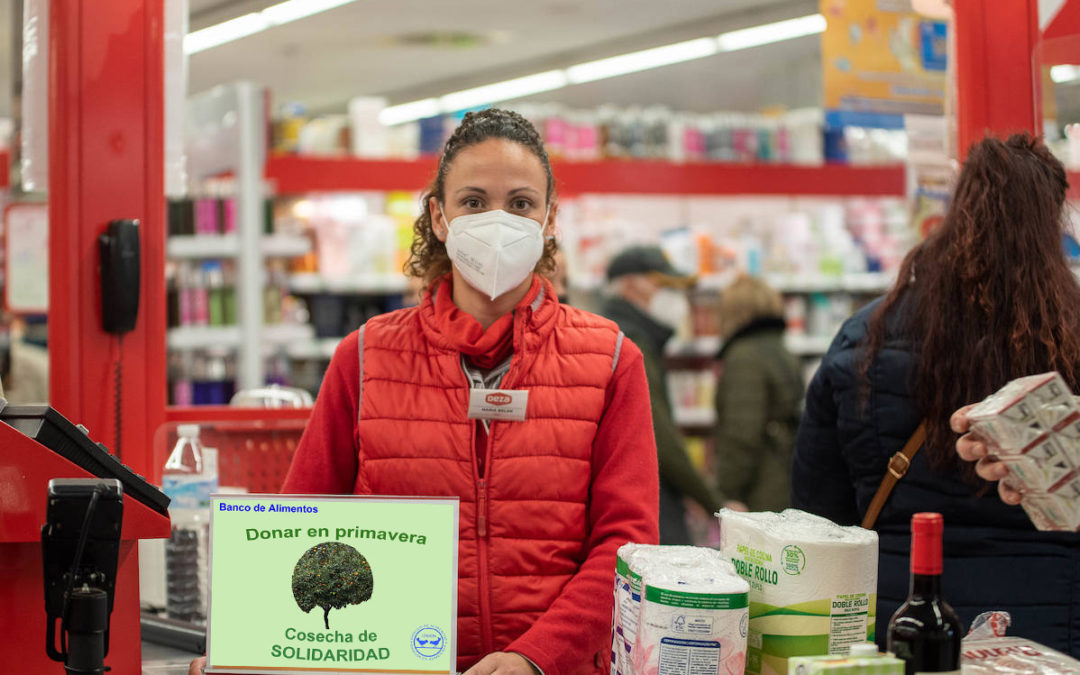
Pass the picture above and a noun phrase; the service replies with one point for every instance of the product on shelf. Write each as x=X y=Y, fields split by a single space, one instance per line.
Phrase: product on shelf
x=653 y=132
x=200 y=294
x=1033 y=426
x=802 y=241
x=201 y=376
x=361 y=239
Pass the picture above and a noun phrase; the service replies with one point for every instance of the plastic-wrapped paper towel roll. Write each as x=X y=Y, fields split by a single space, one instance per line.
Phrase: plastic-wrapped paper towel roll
x=678 y=609
x=631 y=562
x=813 y=584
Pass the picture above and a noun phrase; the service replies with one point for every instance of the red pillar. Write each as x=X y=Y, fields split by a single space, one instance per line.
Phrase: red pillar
x=995 y=84
x=106 y=162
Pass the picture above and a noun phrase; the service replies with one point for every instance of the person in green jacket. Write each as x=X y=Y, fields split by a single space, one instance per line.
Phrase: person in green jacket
x=759 y=397
x=647 y=299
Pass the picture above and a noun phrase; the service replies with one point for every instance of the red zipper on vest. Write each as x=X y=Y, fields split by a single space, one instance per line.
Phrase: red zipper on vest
x=481 y=508
x=482 y=549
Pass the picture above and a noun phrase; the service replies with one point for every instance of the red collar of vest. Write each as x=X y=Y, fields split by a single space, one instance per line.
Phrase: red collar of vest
x=450 y=328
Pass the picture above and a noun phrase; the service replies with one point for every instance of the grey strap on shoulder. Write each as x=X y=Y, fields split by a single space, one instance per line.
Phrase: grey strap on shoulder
x=360 y=388
x=618 y=350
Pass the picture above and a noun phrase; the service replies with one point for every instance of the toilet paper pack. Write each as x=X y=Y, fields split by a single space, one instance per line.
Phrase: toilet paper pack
x=678 y=609
x=693 y=625
x=627 y=606
x=813 y=584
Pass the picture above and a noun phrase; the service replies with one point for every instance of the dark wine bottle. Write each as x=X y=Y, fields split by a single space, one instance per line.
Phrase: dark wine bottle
x=925 y=632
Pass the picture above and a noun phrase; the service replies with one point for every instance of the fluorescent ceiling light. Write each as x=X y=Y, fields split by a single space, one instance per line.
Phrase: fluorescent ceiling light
x=1063 y=74
x=643 y=60
x=249 y=24
x=771 y=32
x=408 y=112
x=609 y=67
x=219 y=34
x=298 y=9
x=503 y=91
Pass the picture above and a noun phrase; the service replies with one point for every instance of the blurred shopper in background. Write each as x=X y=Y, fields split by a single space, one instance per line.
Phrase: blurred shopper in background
x=759 y=395
x=647 y=298
x=988 y=297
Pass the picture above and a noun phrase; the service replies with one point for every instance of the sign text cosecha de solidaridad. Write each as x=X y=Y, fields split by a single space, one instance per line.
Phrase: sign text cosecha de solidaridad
x=330 y=654
x=253 y=534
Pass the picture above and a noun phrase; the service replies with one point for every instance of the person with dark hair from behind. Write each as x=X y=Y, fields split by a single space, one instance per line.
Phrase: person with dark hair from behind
x=647 y=298
x=986 y=298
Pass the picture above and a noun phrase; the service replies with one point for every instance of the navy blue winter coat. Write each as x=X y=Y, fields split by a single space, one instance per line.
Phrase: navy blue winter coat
x=994 y=557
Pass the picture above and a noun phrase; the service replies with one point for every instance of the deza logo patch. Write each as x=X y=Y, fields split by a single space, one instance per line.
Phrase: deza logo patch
x=498 y=398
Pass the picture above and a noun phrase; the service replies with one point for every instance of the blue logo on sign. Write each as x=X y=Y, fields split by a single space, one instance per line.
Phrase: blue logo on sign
x=428 y=642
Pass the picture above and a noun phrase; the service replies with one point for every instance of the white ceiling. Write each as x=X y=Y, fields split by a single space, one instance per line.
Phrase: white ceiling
x=363 y=48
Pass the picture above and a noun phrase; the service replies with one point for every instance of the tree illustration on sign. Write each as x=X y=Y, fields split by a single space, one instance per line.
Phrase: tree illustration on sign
x=331 y=575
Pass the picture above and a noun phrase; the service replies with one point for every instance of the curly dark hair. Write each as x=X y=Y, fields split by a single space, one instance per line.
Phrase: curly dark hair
x=428 y=260
x=989 y=296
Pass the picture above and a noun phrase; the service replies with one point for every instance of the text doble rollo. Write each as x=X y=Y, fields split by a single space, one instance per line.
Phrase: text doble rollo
x=328 y=654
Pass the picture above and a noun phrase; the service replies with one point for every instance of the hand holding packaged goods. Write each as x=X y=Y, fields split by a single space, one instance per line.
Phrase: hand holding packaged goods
x=1032 y=425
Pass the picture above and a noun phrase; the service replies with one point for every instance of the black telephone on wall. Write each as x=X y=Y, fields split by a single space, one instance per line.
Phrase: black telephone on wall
x=118 y=249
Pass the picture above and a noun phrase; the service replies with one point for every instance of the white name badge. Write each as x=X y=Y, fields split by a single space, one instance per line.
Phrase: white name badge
x=498 y=404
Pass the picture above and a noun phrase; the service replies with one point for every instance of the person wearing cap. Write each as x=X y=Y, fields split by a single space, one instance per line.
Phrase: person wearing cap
x=647 y=299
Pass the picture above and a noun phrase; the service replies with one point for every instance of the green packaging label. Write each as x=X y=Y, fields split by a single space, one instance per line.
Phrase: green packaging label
x=822 y=626
x=671 y=598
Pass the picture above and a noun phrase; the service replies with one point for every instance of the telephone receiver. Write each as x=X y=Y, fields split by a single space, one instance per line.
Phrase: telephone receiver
x=118 y=250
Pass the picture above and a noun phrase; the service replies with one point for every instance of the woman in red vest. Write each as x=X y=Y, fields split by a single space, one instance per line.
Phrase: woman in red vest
x=550 y=488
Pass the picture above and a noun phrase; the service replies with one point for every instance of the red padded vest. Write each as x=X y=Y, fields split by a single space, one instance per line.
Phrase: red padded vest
x=523 y=525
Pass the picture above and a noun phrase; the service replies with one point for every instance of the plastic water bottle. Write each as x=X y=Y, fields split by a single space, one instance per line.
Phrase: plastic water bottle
x=189 y=478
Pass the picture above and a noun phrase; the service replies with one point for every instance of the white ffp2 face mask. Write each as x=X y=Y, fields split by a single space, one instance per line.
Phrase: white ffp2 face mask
x=670 y=307
x=494 y=251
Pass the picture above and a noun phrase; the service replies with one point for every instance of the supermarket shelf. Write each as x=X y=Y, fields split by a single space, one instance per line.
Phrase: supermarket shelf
x=367 y=284
x=285 y=334
x=1074 y=186
x=865 y=282
x=199 y=337
x=285 y=246
x=202 y=246
x=807 y=345
x=322 y=348
x=228 y=337
x=228 y=246
x=297 y=175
